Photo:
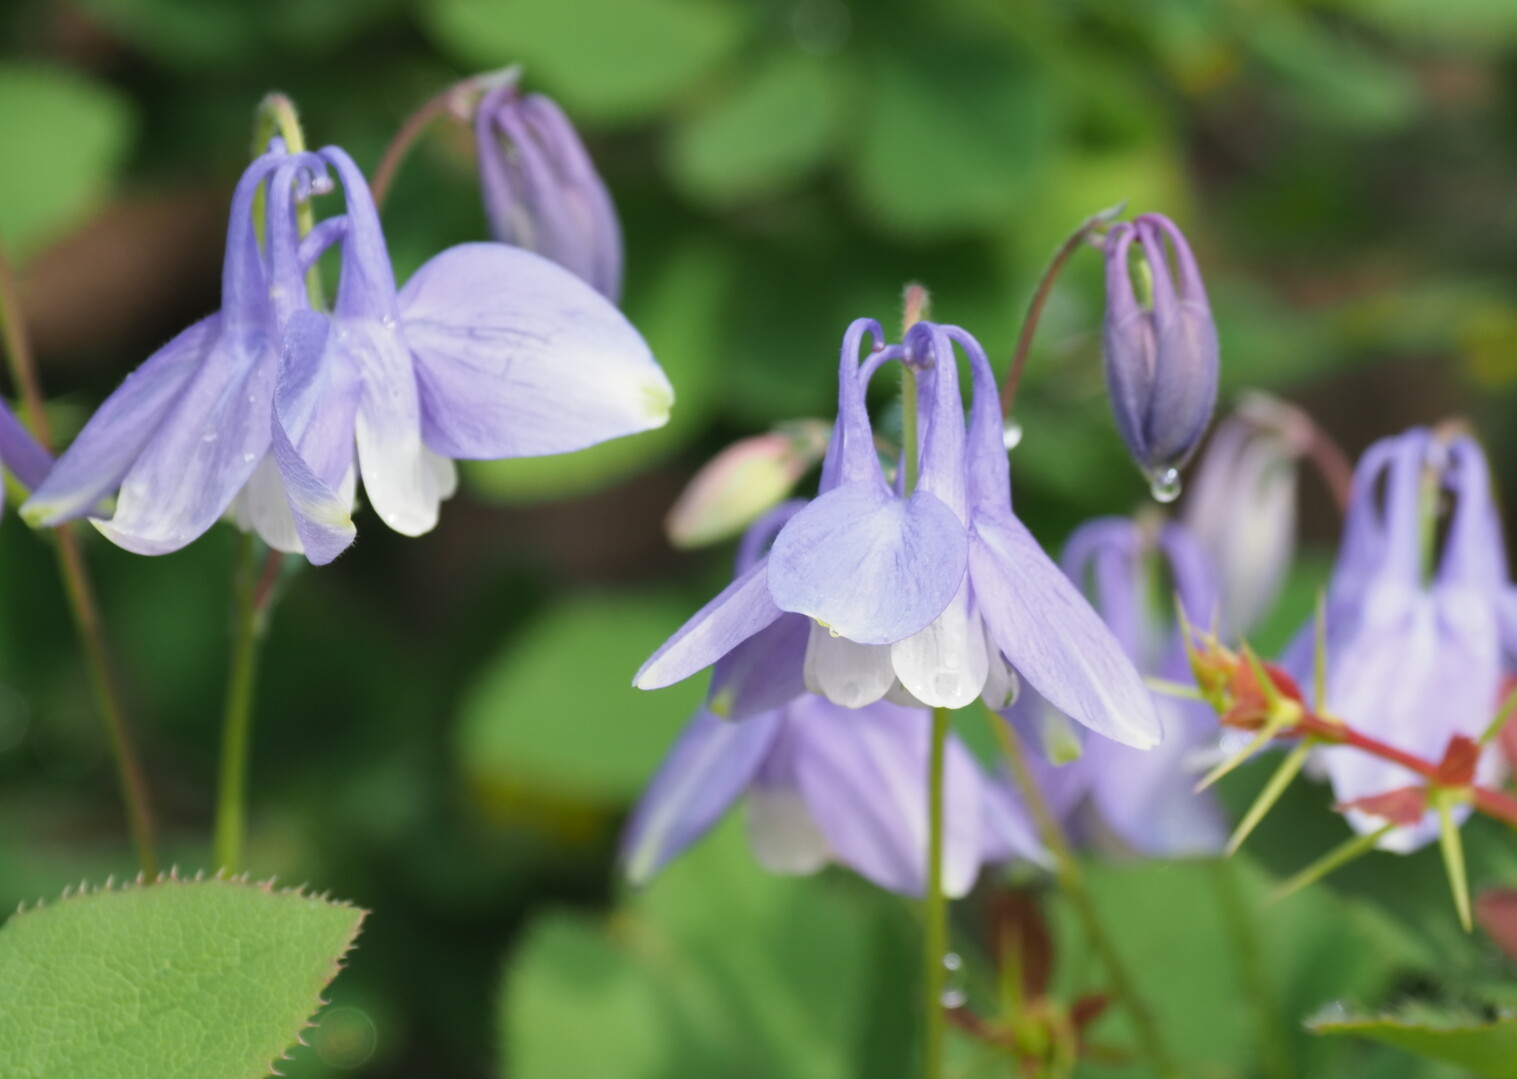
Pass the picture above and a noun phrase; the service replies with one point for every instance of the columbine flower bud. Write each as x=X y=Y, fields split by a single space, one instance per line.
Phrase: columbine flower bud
x=1242 y=507
x=541 y=189
x=1161 y=352
x=744 y=481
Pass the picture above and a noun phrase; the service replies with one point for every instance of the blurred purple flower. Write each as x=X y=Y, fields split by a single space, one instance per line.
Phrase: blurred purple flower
x=20 y=453
x=273 y=410
x=541 y=189
x=827 y=784
x=934 y=598
x=1413 y=656
x=1144 y=798
x=1161 y=356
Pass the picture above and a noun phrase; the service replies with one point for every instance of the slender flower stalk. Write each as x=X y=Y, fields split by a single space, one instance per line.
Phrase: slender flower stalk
x=1072 y=882
x=935 y=933
x=1093 y=224
x=81 y=593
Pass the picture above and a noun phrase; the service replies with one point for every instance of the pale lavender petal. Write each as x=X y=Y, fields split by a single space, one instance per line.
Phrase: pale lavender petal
x=710 y=765
x=763 y=672
x=942 y=434
x=93 y=466
x=1051 y=635
x=863 y=775
x=989 y=475
x=782 y=833
x=742 y=609
x=869 y=565
x=1101 y=558
x=1007 y=832
x=517 y=357
x=20 y=452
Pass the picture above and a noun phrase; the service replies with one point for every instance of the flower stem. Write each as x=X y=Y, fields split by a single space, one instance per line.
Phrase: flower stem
x=1072 y=242
x=1072 y=881
x=80 y=591
x=457 y=100
x=252 y=592
x=935 y=932
x=1274 y=1050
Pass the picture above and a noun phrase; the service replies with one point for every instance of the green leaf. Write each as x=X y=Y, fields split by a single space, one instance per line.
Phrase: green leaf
x=556 y=713
x=65 y=138
x=1485 y=1048
x=607 y=60
x=718 y=968
x=176 y=980
x=678 y=317
x=773 y=127
x=956 y=134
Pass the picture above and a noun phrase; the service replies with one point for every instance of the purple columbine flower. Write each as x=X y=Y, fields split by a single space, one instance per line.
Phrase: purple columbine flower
x=541 y=189
x=274 y=410
x=826 y=784
x=1145 y=799
x=935 y=597
x=1241 y=508
x=20 y=453
x=1161 y=355
x=1413 y=657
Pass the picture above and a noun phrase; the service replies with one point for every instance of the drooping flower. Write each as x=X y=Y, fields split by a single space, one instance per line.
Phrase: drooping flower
x=1241 y=508
x=1145 y=799
x=489 y=351
x=936 y=596
x=1161 y=355
x=1414 y=654
x=541 y=190
x=826 y=784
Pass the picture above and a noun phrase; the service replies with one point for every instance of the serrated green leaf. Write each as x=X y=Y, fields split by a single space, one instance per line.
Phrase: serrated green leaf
x=173 y=980
x=718 y=968
x=773 y=126
x=678 y=317
x=607 y=60
x=1486 y=1049
x=556 y=713
x=65 y=137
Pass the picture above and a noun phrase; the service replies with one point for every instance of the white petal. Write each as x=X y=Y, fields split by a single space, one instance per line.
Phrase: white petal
x=262 y=506
x=845 y=672
x=946 y=664
x=781 y=833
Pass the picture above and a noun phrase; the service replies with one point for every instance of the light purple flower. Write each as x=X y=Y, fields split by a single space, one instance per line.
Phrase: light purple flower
x=541 y=189
x=1144 y=798
x=273 y=410
x=1161 y=357
x=827 y=784
x=20 y=453
x=1413 y=658
x=936 y=597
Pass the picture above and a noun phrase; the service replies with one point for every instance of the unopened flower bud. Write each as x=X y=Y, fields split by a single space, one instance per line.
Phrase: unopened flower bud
x=748 y=478
x=1161 y=351
x=541 y=189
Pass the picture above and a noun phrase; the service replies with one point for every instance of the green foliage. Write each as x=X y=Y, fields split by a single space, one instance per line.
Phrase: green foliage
x=556 y=713
x=1486 y=1048
x=718 y=968
x=66 y=136
x=174 y=980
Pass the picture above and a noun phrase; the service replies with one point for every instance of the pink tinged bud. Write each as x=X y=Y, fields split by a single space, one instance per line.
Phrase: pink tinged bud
x=1161 y=352
x=542 y=191
x=743 y=482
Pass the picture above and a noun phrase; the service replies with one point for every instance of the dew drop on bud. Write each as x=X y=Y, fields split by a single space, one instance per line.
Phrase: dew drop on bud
x=1011 y=434
x=1164 y=484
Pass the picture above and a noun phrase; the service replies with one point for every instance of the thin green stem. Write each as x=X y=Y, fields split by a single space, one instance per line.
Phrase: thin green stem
x=80 y=591
x=1070 y=245
x=1072 y=881
x=251 y=600
x=1237 y=920
x=935 y=932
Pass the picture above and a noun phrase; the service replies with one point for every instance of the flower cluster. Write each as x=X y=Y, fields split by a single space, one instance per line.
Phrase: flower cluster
x=273 y=408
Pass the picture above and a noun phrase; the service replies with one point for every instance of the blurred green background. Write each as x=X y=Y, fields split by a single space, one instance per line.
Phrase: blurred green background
x=445 y=730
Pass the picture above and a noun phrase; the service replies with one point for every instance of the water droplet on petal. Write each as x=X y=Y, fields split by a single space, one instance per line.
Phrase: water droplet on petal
x=1011 y=434
x=1164 y=484
x=247 y=458
x=832 y=632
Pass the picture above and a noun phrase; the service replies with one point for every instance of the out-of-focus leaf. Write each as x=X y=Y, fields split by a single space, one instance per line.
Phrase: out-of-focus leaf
x=65 y=137
x=556 y=713
x=1487 y=1049
x=173 y=979
x=678 y=317
x=775 y=124
x=1470 y=24
x=606 y=60
x=717 y=969
x=955 y=133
